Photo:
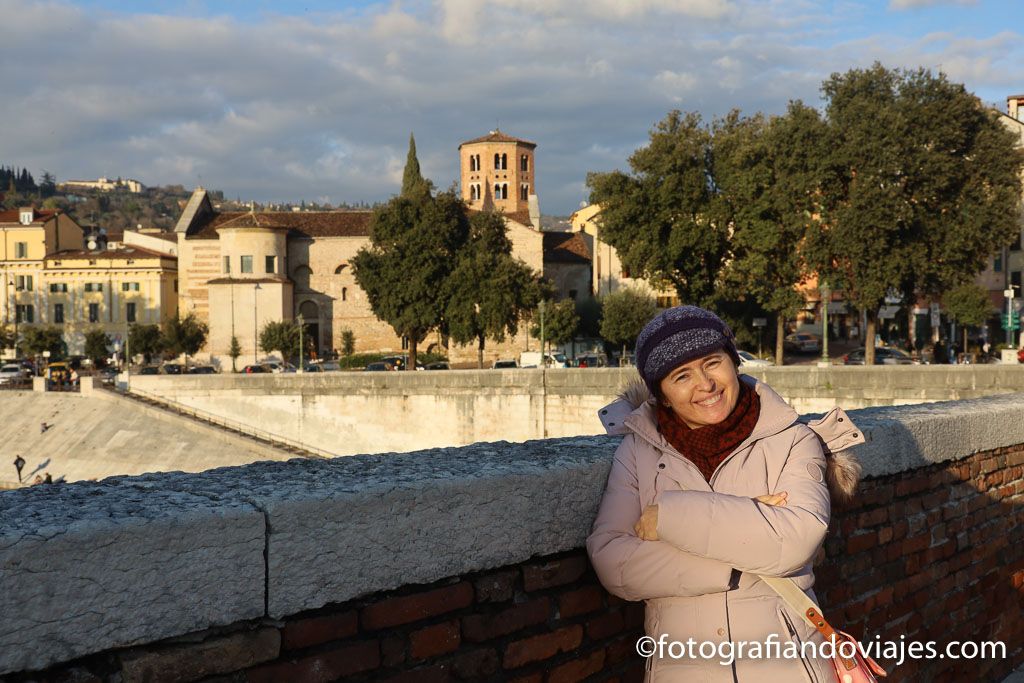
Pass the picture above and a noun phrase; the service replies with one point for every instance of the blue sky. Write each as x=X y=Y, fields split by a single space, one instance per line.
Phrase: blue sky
x=279 y=101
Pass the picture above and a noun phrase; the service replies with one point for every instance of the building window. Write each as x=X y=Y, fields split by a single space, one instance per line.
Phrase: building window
x=501 y=190
x=129 y=286
x=478 y=166
x=129 y=312
x=25 y=314
x=524 y=191
x=1015 y=281
x=246 y=264
x=58 y=313
x=271 y=263
x=94 y=313
x=340 y=269
x=504 y=162
x=227 y=265
x=23 y=283
x=497 y=162
x=472 y=163
x=344 y=293
x=21 y=250
x=524 y=163
x=472 y=193
x=997 y=263
x=94 y=286
x=56 y=287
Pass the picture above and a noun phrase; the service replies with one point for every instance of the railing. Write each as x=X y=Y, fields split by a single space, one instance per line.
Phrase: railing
x=202 y=415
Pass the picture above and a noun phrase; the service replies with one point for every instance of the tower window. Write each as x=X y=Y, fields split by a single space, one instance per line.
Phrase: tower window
x=524 y=163
x=524 y=191
x=472 y=193
x=504 y=162
x=344 y=293
x=497 y=162
x=472 y=162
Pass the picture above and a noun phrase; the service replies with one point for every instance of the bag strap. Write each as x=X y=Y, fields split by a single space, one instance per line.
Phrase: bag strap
x=793 y=596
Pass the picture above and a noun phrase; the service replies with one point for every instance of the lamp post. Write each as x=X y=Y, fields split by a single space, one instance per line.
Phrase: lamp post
x=255 y=323
x=826 y=296
x=543 y=357
x=302 y=362
x=14 y=298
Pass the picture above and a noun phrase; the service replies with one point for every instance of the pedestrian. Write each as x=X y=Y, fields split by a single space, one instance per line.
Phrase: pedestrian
x=19 y=464
x=714 y=485
x=48 y=479
x=37 y=480
x=43 y=427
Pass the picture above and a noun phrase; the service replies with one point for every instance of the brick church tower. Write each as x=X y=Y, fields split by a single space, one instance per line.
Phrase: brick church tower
x=497 y=172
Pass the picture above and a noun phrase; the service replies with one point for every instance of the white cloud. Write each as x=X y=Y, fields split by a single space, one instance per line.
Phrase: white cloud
x=913 y=4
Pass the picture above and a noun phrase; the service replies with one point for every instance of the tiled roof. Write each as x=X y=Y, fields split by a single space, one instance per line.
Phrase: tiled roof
x=122 y=253
x=308 y=223
x=39 y=215
x=498 y=136
x=565 y=247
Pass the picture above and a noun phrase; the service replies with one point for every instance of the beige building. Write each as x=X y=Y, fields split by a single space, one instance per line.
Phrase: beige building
x=54 y=276
x=104 y=184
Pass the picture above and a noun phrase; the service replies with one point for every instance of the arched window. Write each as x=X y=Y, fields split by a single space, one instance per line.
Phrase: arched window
x=524 y=191
x=472 y=193
x=344 y=293
x=309 y=311
x=340 y=269
x=524 y=163
x=504 y=190
x=497 y=191
x=472 y=162
x=301 y=276
x=504 y=162
x=478 y=166
x=497 y=161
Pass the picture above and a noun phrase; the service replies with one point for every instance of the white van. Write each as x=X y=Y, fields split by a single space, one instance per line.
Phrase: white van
x=531 y=359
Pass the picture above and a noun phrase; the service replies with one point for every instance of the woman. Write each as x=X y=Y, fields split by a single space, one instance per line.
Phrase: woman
x=715 y=484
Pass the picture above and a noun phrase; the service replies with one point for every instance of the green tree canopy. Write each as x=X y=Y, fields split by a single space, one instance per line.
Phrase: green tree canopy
x=184 y=335
x=144 y=339
x=348 y=342
x=6 y=336
x=414 y=185
x=281 y=336
x=624 y=314
x=661 y=219
x=560 y=322
x=96 y=343
x=234 y=351
x=489 y=292
x=35 y=339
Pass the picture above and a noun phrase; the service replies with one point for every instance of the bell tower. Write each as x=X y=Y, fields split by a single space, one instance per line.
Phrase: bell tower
x=497 y=172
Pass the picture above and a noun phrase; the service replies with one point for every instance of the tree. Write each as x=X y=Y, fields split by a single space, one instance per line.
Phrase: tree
x=234 y=351
x=414 y=185
x=766 y=176
x=413 y=243
x=489 y=292
x=96 y=343
x=6 y=336
x=919 y=185
x=48 y=185
x=145 y=340
x=184 y=335
x=348 y=342
x=35 y=339
x=970 y=305
x=624 y=314
x=661 y=218
x=560 y=322
x=281 y=336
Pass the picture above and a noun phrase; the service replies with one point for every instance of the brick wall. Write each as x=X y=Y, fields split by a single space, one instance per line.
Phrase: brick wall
x=933 y=553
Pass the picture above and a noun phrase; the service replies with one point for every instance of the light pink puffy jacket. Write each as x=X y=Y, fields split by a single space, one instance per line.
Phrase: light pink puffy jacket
x=708 y=530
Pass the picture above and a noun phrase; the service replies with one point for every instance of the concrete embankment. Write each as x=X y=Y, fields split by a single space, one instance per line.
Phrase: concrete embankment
x=92 y=437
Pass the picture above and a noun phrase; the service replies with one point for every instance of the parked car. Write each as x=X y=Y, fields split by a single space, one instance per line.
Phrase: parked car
x=592 y=360
x=149 y=370
x=884 y=355
x=504 y=365
x=12 y=372
x=313 y=367
x=398 y=362
x=748 y=359
x=172 y=368
x=255 y=369
x=378 y=367
x=439 y=365
x=202 y=370
x=531 y=359
x=108 y=375
x=802 y=342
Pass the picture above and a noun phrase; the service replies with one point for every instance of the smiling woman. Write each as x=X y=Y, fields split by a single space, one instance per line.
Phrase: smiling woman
x=715 y=485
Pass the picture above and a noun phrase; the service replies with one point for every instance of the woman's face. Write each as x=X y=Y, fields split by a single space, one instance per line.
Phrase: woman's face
x=703 y=391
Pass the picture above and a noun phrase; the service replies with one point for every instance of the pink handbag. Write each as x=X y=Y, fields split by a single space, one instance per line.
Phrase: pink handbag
x=856 y=669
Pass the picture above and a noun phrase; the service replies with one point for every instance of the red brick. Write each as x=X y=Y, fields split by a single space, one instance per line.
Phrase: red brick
x=324 y=666
x=873 y=518
x=392 y=649
x=475 y=664
x=578 y=669
x=553 y=573
x=885 y=535
x=861 y=542
x=434 y=640
x=437 y=673
x=605 y=625
x=479 y=627
x=915 y=544
x=543 y=646
x=496 y=587
x=532 y=678
x=315 y=630
x=580 y=601
x=409 y=608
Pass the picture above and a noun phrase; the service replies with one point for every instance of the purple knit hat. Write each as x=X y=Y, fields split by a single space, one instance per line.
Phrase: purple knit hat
x=678 y=335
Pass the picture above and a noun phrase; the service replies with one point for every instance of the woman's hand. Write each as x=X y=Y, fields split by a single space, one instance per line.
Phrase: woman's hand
x=647 y=527
x=777 y=499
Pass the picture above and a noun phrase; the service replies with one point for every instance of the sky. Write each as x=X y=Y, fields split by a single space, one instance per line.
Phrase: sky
x=315 y=100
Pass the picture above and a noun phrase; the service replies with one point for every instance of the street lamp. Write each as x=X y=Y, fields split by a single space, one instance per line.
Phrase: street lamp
x=302 y=362
x=826 y=296
x=255 y=322
x=14 y=298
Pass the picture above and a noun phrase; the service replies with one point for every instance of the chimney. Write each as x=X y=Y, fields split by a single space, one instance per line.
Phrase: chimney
x=26 y=215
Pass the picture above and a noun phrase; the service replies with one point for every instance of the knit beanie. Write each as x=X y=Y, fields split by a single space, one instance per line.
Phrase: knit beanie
x=678 y=335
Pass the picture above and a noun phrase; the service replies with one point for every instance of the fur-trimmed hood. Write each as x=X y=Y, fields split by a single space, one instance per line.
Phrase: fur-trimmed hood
x=835 y=430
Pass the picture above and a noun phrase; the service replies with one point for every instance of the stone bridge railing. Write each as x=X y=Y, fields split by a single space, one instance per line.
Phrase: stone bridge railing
x=467 y=563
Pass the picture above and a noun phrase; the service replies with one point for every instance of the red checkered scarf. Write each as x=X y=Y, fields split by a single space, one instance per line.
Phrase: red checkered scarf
x=708 y=446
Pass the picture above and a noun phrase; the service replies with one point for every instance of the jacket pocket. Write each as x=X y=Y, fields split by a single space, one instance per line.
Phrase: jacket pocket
x=790 y=631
